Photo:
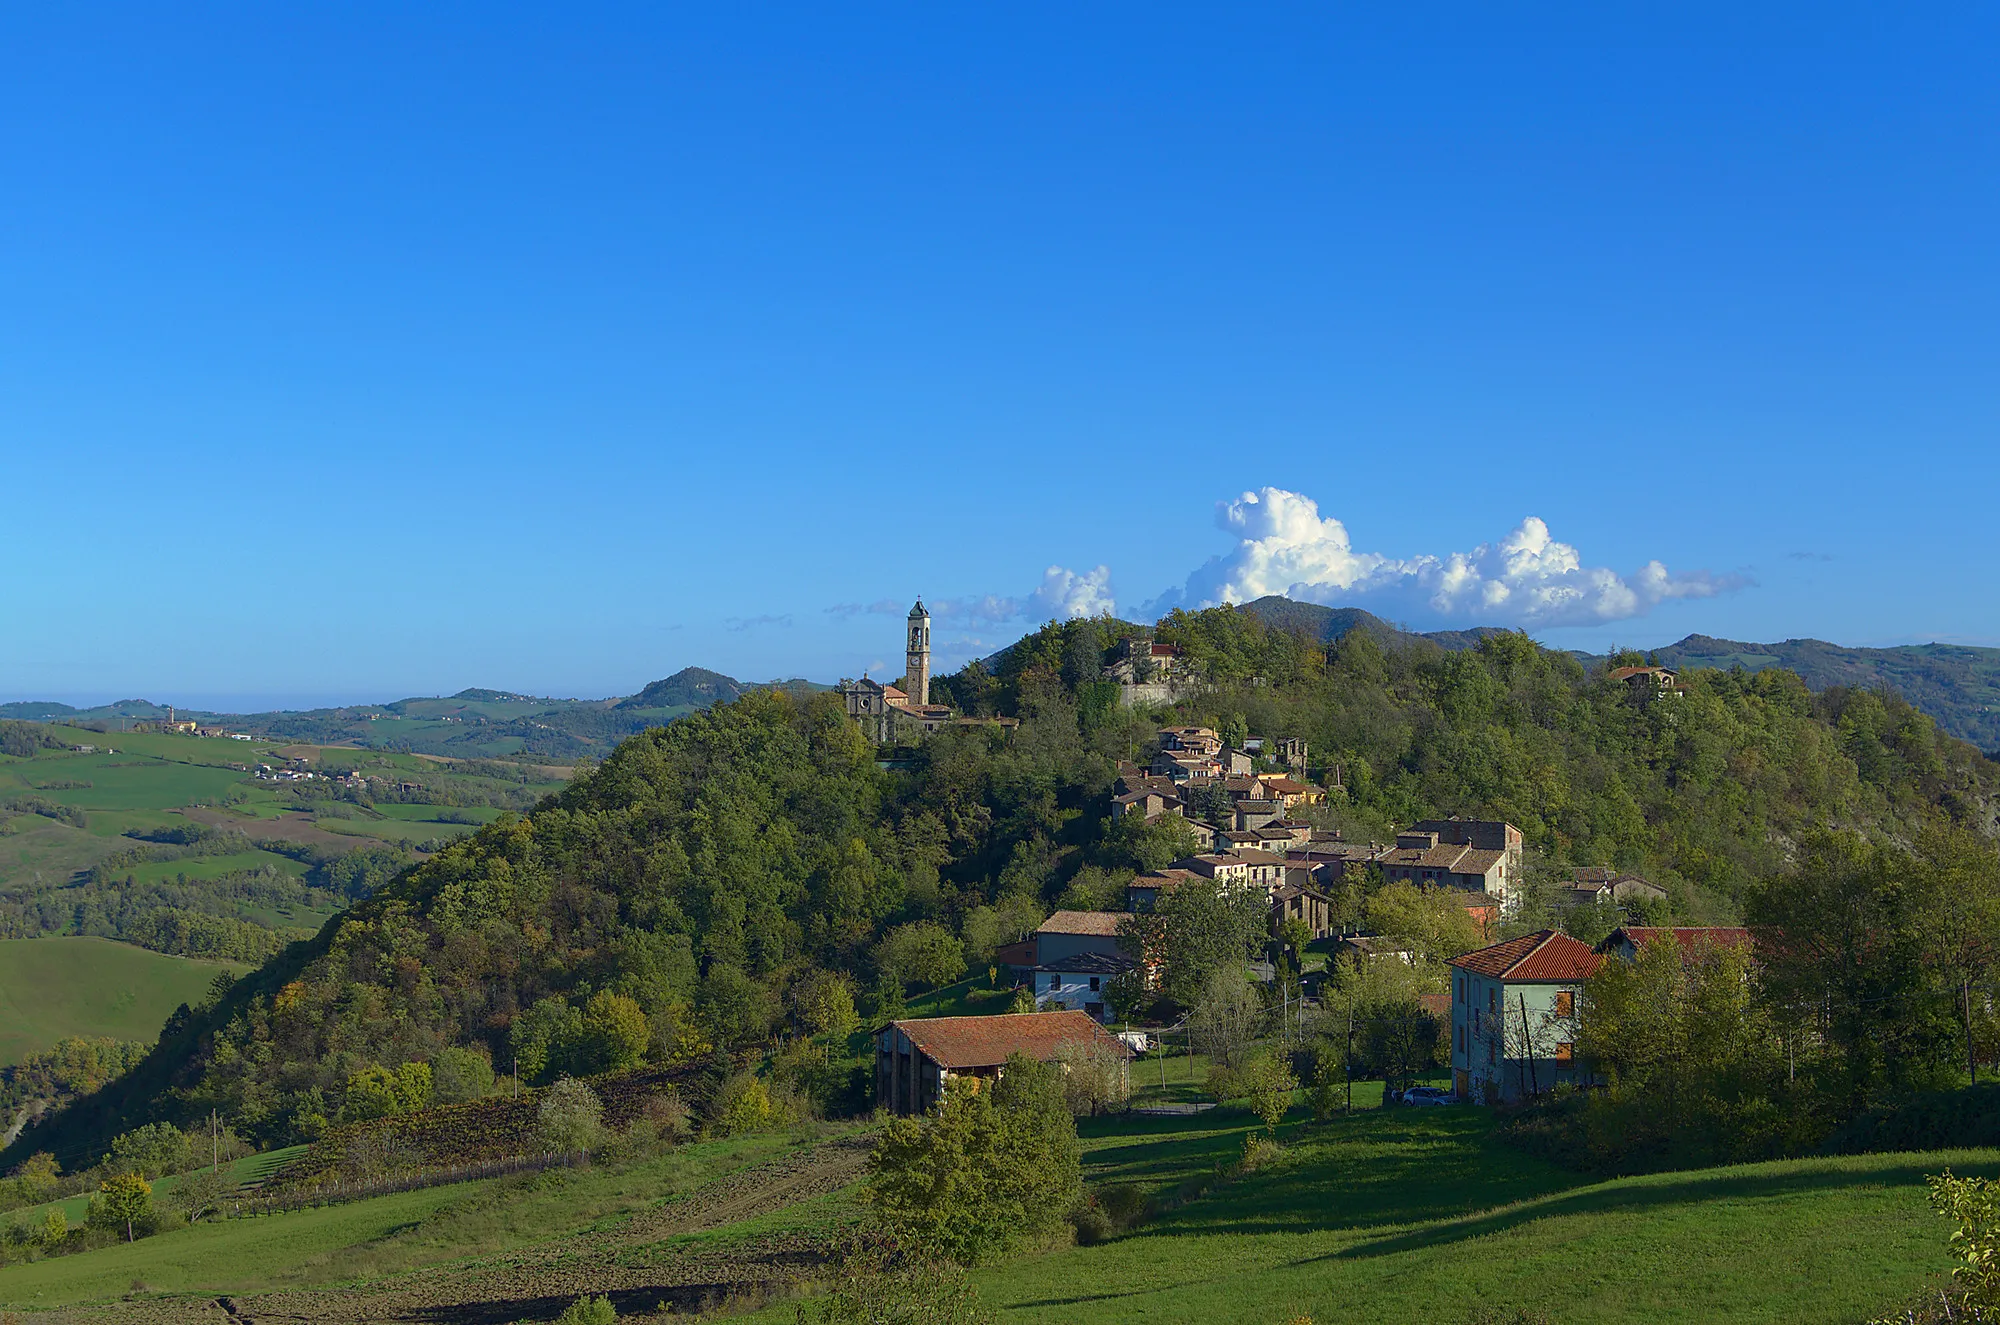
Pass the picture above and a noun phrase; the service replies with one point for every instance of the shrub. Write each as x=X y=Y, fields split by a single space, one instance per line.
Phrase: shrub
x=987 y=1168
x=588 y=1311
x=1092 y=1225
x=1259 y=1152
x=1973 y=1204
x=878 y=1290
x=743 y=1105
x=1269 y=1083
x=1124 y=1202
x=569 y=1117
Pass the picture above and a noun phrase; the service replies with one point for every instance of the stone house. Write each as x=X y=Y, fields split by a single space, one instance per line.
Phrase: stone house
x=1601 y=883
x=1514 y=1016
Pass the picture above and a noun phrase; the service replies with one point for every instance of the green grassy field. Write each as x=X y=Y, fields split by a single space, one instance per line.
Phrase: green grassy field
x=1416 y=1214
x=210 y=867
x=249 y=1169
x=374 y=1239
x=57 y=987
x=1388 y=1216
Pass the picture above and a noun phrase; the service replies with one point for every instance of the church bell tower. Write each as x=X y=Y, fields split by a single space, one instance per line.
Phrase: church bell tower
x=918 y=660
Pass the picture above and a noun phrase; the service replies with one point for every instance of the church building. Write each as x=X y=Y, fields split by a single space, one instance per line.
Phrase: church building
x=889 y=714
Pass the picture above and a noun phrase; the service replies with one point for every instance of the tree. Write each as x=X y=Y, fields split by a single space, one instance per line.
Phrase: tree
x=380 y=1092
x=152 y=1151
x=743 y=1104
x=921 y=952
x=823 y=1004
x=124 y=1200
x=569 y=1117
x=1193 y=932
x=1431 y=923
x=1375 y=1020
x=1959 y=914
x=987 y=928
x=986 y=1169
x=611 y=1036
x=458 y=1075
x=737 y=1008
x=1095 y=1074
x=1226 y=1019
x=1151 y=844
x=1841 y=942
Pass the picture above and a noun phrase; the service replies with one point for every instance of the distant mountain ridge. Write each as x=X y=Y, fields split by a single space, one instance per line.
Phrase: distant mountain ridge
x=474 y=723
x=1958 y=685
x=690 y=687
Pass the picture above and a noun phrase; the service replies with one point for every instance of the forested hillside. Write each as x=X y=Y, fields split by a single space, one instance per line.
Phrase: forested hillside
x=752 y=868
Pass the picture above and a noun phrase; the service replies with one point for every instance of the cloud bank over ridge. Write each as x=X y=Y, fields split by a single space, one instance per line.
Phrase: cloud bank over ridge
x=1528 y=578
x=1285 y=546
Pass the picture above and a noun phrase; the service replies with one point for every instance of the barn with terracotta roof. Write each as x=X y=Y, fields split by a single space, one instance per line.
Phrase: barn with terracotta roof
x=1514 y=1015
x=915 y=1058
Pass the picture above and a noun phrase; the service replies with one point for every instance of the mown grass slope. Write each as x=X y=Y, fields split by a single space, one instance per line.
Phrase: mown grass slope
x=56 y=987
x=1407 y=1214
x=410 y=1243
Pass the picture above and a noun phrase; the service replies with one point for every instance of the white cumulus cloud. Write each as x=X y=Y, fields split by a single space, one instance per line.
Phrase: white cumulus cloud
x=1528 y=578
x=1062 y=594
x=1065 y=594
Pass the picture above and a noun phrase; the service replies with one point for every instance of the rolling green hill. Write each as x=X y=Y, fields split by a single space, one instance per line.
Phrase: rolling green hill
x=58 y=987
x=1956 y=684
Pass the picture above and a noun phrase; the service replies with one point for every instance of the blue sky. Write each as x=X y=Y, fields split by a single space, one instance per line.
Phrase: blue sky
x=357 y=354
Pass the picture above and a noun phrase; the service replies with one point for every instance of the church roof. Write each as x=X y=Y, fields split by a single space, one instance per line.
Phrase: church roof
x=918 y=610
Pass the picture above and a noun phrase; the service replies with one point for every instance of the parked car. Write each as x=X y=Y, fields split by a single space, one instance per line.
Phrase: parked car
x=1426 y=1095
x=1139 y=1042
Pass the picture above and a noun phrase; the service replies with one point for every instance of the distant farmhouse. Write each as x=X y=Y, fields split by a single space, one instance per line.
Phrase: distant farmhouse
x=915 y=1059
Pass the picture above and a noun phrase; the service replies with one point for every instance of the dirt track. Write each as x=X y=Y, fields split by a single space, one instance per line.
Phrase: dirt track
x=634 y=1263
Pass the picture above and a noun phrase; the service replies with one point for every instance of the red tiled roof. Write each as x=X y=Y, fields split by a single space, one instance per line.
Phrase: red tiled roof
x=961 y=1042
x=1546 y=955
x=1101 y=924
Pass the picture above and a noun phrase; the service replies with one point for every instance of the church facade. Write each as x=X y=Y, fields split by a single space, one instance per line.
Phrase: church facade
x=891 y=715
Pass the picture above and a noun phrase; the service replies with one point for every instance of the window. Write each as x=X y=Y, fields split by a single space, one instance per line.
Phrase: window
x=1565 y=1052
x=1489 y=1053
x=1094 y=982
x=1565 y=1002
x=1492 y=1000
x=1458 y=1037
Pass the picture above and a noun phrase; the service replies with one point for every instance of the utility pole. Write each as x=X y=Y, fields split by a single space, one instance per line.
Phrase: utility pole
x=1971 y=1061
x=1347 y=1059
